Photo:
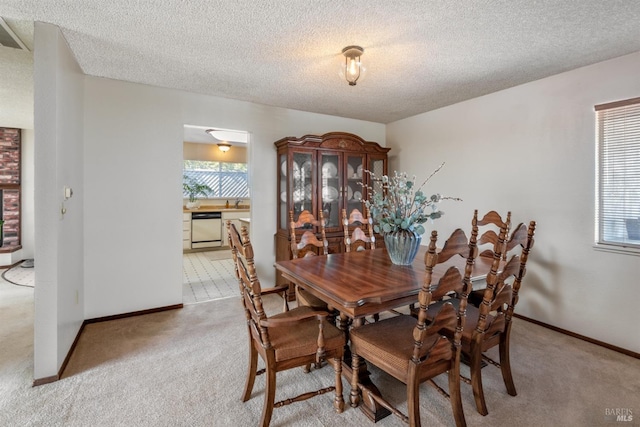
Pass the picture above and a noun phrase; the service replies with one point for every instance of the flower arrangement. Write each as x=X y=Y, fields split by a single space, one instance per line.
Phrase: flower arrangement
x=400 y=205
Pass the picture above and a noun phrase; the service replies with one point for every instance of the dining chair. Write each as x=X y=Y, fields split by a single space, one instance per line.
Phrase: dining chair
x=355 y=237
x=489 y=227
x=306 y=243
x=358 y=230
x=282 y=290
x=297 y=337
x=415 y=351
x=491 y=321
x=489 y=325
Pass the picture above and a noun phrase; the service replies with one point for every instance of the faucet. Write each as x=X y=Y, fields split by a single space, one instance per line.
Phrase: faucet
x=237 y=204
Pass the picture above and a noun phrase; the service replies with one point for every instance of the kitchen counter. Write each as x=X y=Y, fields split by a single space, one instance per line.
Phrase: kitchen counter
x=216 y=208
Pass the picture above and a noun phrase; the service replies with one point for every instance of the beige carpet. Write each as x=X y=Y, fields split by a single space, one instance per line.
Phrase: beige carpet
x=187 y=367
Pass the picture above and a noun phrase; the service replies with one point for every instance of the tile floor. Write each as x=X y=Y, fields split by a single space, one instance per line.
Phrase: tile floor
x=18 y=275
x=208 y=276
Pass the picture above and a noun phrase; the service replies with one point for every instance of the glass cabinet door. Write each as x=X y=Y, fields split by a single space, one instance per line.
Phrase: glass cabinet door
x=331 y=186
x=355 y=174
x=295 y=185
x=377 y=165
x=283 y=167
x=301 y=180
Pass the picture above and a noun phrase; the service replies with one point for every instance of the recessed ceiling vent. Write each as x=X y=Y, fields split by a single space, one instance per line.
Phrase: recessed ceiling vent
x=8 y=38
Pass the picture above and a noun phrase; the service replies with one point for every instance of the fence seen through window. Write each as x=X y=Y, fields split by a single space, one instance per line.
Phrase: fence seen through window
x=227 y=180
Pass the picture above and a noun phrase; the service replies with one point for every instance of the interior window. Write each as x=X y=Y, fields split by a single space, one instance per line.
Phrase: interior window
x=618 y=174
x=10 y=189
x=227 y=180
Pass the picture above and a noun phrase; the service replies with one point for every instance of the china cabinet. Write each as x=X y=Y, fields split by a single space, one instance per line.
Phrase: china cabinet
x=323 y=173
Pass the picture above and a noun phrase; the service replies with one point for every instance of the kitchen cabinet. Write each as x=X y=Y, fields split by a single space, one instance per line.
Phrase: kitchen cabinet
x=323 y=173
x=186 y=230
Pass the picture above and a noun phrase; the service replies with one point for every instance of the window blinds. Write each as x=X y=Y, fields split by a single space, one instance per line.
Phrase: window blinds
x=618 y=172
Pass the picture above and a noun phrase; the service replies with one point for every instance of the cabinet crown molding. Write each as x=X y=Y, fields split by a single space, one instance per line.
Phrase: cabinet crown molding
x=333 y=141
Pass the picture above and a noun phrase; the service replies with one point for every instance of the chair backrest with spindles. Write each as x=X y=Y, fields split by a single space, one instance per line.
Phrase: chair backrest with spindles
x=501 y=295
x=307 y=243
x=489 y=226
x=250 y=287
x=358 y=230
x=428 y=334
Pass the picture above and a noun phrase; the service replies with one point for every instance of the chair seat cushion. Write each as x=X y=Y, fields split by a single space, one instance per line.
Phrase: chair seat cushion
x=390 y=343
x=302 y=340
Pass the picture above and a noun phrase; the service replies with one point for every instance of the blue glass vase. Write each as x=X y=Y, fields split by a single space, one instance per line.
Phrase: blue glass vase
x=402 y=246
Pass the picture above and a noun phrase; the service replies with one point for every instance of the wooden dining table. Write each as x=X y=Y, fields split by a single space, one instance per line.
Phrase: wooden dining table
x=366 y=283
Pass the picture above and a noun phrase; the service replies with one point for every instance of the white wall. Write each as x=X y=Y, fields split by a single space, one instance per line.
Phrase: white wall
x=133 y=160
x=531 y=150
x=58 y=94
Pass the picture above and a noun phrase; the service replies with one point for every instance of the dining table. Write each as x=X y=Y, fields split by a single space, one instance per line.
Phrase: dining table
x=366 y=283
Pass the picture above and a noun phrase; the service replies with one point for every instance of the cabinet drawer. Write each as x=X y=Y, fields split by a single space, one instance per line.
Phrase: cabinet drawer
x=186 y=235
x=186 y=244
x=186 y=225
x=186 y=216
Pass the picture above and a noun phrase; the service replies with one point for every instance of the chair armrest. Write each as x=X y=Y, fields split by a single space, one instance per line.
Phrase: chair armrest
x=271 y=323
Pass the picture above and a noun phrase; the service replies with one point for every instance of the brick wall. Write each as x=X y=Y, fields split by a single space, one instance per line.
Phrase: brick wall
x=10 y=185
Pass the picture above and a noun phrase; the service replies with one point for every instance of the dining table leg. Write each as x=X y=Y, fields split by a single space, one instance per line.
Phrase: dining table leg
x=368 y=405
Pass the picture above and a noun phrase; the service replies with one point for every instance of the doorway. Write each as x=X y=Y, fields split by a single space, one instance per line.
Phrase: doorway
x=217 y=160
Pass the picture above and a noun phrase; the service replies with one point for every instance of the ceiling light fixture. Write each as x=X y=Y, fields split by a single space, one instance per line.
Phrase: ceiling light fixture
x=223 y=146
x=352 y=68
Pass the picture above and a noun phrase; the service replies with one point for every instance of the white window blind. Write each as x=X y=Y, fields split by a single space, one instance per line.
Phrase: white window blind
x=618 y=173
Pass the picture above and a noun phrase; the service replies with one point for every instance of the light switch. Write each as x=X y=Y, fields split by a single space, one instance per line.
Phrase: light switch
x=68 y=192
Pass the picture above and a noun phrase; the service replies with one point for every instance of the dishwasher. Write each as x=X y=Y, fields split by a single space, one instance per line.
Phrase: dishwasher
x=206 y=229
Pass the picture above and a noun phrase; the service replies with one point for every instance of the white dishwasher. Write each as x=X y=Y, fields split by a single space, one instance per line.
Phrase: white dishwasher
x=206 y=229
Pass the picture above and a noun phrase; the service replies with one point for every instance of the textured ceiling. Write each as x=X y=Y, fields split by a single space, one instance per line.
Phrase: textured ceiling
x=420 y=55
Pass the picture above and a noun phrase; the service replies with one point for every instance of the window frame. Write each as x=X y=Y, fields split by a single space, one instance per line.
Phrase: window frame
x=617 y=128
x=12 y=226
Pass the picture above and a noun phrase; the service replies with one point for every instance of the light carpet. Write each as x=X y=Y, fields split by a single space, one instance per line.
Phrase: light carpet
x=187 y=367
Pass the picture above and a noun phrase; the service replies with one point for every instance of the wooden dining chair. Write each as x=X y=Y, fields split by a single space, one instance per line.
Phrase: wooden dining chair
x=298 y=337
x=358 y=230
x=489 y=325
x=489 y=227
x=415 y=351
x=306 y=243
x=358 y=235
x=282 y=290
